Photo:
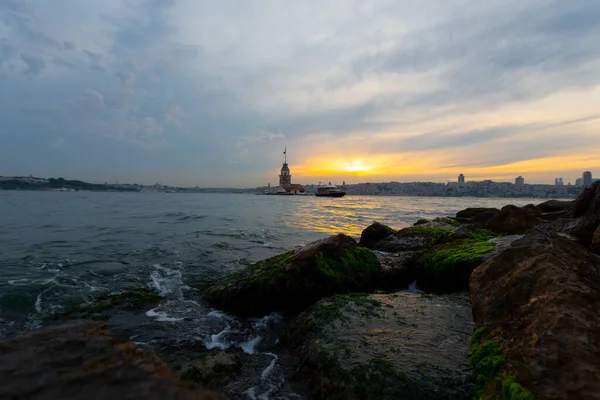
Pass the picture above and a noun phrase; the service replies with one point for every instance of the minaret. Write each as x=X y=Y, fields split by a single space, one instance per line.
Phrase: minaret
x=285 y=179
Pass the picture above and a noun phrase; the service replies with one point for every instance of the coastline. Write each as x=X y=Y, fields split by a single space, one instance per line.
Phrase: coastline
x=490 y=253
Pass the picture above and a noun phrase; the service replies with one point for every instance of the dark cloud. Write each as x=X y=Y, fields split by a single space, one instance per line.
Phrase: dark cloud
x=201 y=82
x=35 y=64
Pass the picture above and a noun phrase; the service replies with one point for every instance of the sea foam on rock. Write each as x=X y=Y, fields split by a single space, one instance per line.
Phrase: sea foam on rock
x=385 y=346
x=293 y=281
x=535 y=307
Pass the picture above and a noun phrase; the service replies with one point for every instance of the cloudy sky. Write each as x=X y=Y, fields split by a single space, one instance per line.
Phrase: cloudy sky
x=208 y=93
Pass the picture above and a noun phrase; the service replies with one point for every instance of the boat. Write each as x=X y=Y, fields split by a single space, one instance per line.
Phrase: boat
x=329 y=191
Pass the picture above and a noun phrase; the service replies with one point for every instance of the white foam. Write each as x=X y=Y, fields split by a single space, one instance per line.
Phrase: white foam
x=217 y=342
x=161 y=316
x=168 y=282
x=17 y=281
x=251 y=393
x=216 y=314
x=249 y=347
x=38 y=304
x=267 y=371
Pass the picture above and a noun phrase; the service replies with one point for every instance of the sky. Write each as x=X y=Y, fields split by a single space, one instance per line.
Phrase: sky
x=209 y=93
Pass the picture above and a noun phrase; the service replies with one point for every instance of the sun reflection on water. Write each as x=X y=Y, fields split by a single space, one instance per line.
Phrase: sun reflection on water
x=352 y=214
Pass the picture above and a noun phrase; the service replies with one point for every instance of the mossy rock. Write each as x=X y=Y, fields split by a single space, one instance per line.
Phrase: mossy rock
x=373 y=234
x=446 y=267
x=101 y=307
x=411 y=239
x=491 y=376
x=396 y=346
x=293 y=281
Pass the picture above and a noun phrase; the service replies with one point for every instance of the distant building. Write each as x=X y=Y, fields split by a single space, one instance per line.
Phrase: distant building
x=285 y=179
x=579 y=182
x=461 y=178
x=558 y=181
x=519 y=180
x=587 y=178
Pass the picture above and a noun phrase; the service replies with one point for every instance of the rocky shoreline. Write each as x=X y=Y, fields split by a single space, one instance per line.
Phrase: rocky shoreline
x=489 y=304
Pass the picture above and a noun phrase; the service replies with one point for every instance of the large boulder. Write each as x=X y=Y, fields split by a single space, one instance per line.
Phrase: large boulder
x=512 y=220
x=446 y=266
x=387 y=346
x=373 y=234
x=586 y=214
x=535 y=307
x=80 y=360
x=292 y=281
x=411 y=238
x=596 y=241
x=469 y=214
x=551 y=206
x=398 y=270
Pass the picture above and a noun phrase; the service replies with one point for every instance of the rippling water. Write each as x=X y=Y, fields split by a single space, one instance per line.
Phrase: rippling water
x=57 y=246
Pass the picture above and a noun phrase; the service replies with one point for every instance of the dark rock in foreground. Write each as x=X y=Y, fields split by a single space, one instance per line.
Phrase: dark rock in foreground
x=373 y=234
x=393 y=346
x=512 y=220
x=80 y=360
x=293 y=281
x=536 y=309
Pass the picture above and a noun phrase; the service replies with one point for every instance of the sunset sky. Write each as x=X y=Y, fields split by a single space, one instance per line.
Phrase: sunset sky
x=209 y=93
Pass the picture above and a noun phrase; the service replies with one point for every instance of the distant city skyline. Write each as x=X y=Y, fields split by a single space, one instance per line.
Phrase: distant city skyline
x=209 y=94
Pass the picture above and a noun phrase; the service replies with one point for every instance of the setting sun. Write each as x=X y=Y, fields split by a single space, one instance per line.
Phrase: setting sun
x=356 y=167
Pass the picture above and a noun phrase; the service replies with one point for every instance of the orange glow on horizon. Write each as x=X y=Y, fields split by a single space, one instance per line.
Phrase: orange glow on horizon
x=414 y=165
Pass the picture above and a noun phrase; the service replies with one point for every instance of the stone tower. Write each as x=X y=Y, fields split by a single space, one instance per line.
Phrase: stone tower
x=285 y=178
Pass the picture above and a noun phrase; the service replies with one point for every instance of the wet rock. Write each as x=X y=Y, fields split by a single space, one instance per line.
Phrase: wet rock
x=441 y=222
x=552 y=206
x=103 y=307
x=553 y=216
x=393 y=346
x=79 y=360
x=421 y=222
x=536 y=309
x=468 y=214
x=596 y=241
x=373 y=234
x=292 y=281
x=398 y=271
x=446 y=266
x=586 y=214
x=216 y=369
x=512 y=220
x=532 y=209
x=411 y=239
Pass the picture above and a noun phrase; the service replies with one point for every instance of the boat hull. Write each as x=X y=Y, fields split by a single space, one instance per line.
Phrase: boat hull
x=335 y=194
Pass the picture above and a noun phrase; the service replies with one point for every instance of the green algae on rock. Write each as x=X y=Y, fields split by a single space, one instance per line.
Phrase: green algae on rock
x=446 y=267
x=489 y=371
x=391 y=346
x=293 y=281
x=373 y=234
